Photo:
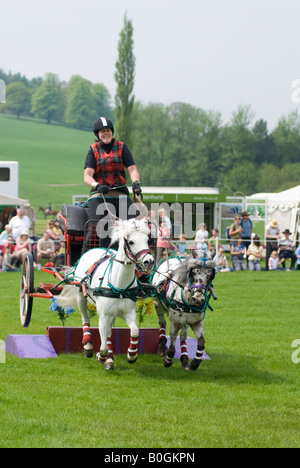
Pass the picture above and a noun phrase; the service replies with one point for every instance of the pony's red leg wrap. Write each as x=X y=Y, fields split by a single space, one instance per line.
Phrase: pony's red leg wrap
x=87 y=335
x=184 y=353
x=133 y=349
x=162 y=336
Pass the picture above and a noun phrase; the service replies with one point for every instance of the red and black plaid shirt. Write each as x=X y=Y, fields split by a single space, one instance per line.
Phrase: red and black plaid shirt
x=109 y=166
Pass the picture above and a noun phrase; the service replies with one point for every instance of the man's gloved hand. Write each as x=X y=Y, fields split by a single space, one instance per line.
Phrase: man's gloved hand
x=102 y=188
x=136 y=189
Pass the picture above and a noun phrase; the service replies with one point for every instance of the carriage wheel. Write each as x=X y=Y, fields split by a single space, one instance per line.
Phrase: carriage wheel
x=26 y=289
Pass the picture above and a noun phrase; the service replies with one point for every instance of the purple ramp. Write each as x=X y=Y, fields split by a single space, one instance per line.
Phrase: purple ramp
x=30 y=346
x=191 y=348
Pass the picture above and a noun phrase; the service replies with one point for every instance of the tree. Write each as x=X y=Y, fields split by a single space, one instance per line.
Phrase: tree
x=102 y=102
x=124 y=77
x=287 y=139
x=47 y=101
x=18 y=97
x=80 y=111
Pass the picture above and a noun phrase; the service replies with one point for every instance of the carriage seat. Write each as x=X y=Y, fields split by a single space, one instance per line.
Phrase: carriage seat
x=72 y=219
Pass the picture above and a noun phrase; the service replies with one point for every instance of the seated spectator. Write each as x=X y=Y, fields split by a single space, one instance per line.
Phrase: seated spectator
x=272 y=238
x=273 y=262
x=56 y=229
x=8 y=260
x=11 y=243
x=19 y=223
x=181 y=246
x=254 y=253
x=4 y=235
x=23 y=246
x=238 y=250
x=45 y=249
x=222 y=262
x=287 y=249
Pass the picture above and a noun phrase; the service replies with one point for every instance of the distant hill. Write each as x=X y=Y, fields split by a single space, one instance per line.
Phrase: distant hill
x=51 y=159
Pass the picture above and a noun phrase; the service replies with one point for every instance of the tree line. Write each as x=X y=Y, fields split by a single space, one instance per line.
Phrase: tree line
x=175 y=145
x=182 y=145
x=76 y=103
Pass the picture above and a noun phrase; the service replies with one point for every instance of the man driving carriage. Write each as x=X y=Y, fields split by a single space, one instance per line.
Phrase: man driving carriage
x=104 y=173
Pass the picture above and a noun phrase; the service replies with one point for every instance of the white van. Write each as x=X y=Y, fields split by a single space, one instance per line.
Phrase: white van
x=9 y=178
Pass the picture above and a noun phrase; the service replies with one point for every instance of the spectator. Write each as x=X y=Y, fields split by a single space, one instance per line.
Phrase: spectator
x=212 y=243
x=11 y=243
x=202 y=237
x=45 y=249
x=181 y=246
x=56 y=229
x=153 y=226
x=246 y=225
x=238 y=250
x=23 y=246
x=163 y=243
x=222 y=262
x=162 y=217
x=8 y=260
x=273 y=262
x=60 y=254
x=254 y=253
x=297 y=253
x=54 y=233
x=4 y=235
x=235 y=229
x=19 y=223
x=287 y=249
x=272 y=238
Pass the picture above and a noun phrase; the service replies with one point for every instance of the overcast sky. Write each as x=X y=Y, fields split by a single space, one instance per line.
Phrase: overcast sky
x=214 y=54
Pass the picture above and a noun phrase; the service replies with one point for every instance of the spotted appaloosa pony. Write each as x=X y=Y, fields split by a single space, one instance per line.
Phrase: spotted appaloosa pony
x=184 y=290
x=110 y=279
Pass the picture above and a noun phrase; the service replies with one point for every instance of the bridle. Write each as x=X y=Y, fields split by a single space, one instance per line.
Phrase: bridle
x=134 y=257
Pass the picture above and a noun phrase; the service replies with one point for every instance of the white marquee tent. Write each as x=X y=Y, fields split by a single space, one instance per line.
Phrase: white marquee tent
x=283 y=206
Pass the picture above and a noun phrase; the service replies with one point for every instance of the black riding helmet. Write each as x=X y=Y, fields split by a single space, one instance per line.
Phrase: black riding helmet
x=102 y=123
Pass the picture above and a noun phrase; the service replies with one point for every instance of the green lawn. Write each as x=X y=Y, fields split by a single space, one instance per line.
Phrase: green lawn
x=246 y=396
x=51 y=159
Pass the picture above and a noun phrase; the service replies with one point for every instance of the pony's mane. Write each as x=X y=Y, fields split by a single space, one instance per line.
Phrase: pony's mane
x=124 y=228
x=181 y=273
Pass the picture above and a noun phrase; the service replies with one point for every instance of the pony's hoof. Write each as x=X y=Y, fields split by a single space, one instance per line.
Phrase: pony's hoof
x=185 y=365
x=162 y=349
x=131 y=359
x=88 y=350
x=109 y=365
x=194 y=364
x=88 y=353
x=168 y=362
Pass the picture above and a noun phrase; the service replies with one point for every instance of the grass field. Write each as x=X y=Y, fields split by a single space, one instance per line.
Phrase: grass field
x=51 y=159
x=247 y=395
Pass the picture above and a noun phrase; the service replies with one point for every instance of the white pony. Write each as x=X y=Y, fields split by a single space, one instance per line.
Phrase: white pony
x=108 y=279
x=184 y=290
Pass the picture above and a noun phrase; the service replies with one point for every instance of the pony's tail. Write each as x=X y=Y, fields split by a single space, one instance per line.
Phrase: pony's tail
x=67 y=297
